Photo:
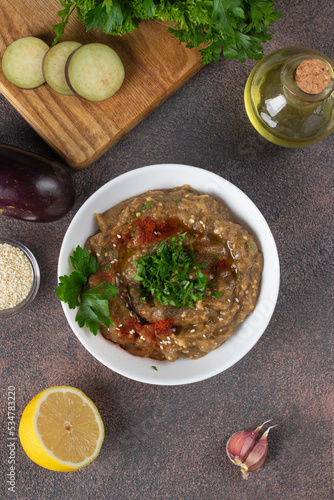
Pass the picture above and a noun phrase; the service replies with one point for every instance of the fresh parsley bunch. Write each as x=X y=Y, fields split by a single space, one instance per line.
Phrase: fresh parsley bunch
x=164 y=275
x=236 y=28
x=92 y=303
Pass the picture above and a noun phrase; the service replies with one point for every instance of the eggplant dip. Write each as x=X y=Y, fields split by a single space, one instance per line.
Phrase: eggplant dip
x=186 y=273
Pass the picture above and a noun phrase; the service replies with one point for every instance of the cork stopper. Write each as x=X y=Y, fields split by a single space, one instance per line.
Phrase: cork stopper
x=313 y=76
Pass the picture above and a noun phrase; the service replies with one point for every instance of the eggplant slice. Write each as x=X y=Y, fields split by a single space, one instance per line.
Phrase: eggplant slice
x=22 y=62
x=94 y=72
x=54 y=66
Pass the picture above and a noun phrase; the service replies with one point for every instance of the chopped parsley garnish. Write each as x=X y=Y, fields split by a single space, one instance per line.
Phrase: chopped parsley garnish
x=252 y=247
x=165 y=274
x=92 y=303
x=217 y=294
x=106 y=250
x=146 y=206
x=204 y=265
x=154 y=368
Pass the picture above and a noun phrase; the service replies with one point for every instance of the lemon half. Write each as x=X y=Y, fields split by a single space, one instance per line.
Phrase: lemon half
x=61 y=429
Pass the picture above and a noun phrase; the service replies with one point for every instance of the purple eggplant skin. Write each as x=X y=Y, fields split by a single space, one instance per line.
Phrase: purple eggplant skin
x=33 y=188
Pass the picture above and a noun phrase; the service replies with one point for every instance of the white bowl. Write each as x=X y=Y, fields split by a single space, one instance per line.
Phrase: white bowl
x=182 y=371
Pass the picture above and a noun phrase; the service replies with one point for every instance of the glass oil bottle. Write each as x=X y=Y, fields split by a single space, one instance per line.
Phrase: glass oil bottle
x=289 y=97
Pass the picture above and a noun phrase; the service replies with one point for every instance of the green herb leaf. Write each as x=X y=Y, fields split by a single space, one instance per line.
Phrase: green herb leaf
x=146 y=206
x=94 y=306
x=70 y=288
x=93 y=303
x=217 y=294
x=64 y=14
x=154 y=368
x=84 y=262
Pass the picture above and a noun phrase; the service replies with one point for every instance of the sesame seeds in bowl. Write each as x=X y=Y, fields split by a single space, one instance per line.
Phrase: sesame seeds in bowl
x=19 y=277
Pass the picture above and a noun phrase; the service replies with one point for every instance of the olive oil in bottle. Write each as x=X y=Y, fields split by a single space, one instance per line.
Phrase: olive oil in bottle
x=289 y=97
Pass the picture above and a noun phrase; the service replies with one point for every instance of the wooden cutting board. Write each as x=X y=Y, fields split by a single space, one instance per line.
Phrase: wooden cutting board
x=156 y=65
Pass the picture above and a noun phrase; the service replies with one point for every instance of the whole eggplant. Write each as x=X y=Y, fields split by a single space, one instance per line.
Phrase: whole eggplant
x=33 y=188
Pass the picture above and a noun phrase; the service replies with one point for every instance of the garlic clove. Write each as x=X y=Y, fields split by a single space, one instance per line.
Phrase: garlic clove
x=257 y=455
x=241 y=444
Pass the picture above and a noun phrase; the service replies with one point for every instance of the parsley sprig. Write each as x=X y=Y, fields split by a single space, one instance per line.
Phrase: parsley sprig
x=92 y=303
x=236 y=28
x=164 y=274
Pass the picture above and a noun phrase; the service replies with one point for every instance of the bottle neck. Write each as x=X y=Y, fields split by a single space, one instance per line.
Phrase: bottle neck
x=288 y=77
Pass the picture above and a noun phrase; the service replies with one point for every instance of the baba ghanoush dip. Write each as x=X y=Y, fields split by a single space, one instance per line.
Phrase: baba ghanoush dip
x=187 y=274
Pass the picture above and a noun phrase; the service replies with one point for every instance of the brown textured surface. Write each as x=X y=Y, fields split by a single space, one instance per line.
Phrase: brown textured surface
x=169 y=442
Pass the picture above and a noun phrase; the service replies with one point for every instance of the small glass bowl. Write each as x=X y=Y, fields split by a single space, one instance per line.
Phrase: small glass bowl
x=7 y=313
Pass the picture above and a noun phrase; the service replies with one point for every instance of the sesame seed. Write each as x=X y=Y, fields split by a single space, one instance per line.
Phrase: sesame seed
x=119 y=236
x=15 y=276
x=237 y=300
x=192 y=330
x=149 y=198
x=137 y=214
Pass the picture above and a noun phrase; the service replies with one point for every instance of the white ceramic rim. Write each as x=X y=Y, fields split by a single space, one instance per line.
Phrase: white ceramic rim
x=182 y=371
